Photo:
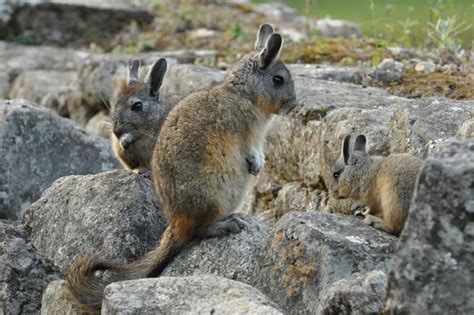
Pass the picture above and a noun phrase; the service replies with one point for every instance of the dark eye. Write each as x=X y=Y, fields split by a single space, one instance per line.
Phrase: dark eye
x=336 y=175
x=278 y=80
x=136 y=107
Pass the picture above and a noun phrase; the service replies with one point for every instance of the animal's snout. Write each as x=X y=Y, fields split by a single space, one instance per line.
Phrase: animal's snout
x=118 y=130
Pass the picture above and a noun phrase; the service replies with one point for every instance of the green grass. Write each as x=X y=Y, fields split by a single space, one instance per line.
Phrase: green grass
x=404 y=21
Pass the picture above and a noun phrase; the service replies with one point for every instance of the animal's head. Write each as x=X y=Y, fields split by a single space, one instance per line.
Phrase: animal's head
x=262 y=77
x=138 y=107
x=351 y=169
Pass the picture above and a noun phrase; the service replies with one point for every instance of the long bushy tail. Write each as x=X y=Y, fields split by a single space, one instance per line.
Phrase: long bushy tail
x=87 y=290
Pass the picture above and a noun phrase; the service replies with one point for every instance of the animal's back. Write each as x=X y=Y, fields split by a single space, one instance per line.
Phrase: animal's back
x=398 y=173
x=202 y=159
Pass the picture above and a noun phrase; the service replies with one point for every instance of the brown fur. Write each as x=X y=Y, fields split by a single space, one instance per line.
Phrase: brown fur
x=201 y=161
x=384 y=185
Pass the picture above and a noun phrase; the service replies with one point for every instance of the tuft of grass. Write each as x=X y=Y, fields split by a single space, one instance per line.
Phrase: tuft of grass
x=445 y=33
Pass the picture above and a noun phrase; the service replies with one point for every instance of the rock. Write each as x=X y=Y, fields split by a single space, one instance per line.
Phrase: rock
x=421 y=126
x=432 y=271
x=388 y=64
x=114 y=214
x=201 y=294
x=338 y=28
x=425 y=67
x=23 y=274
x=50 y=89
x=100 y=125
x=328 y=72
x=37 y=147
x=233 y=257
x=75 y=23
x=184 y=79
x=466 y=130
x=54 y=300
x=358 y=294
x=310 y=251
x=4 y=84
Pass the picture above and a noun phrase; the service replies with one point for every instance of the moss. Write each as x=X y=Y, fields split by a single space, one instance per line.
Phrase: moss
x=316 y=114
x=414 y=84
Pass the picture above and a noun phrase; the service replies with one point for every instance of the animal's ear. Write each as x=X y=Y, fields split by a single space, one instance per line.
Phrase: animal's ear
x=271 y=52
x=133 y=67
x=263 y=33
x=360 y=143
x=345 y=149
x=155 y=76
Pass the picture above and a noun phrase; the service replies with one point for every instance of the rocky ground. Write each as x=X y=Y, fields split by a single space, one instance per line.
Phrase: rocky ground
x=62 y=193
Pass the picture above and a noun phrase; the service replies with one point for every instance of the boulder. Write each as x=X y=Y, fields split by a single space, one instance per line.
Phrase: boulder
x=113 y=214
x=328 y=72
x=234 y=256
x=37 y=147
x=421 y=126
x=100 y=125
x=432 y=271
x=184 y=79
x=308 y=252
x=50 y=89
x=196 y=294
x=358 y=294
x=73 y=22
x=23 y=274
x=55 y=301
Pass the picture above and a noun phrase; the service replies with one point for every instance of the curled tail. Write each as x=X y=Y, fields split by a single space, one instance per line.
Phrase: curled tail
x=87 y=290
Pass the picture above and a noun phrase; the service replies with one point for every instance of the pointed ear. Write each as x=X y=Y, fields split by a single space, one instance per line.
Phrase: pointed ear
x=345 y=149
x=360 y=143
x=262 y=36
x=156 y=75
x=133 y=67
x=271 y=52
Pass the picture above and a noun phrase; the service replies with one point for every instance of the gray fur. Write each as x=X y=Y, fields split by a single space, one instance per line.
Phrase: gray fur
x=135 y=132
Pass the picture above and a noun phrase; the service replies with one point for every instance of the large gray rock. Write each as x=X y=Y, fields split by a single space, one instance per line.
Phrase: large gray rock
x=73 y=22
x=184 y=79
x=328 y=72
x=358 y=294
x=234 y=256
x=55 y=300
x=421 y=126
x=37 y=147
x=23 y=274
x=51 y=89
x=432 y=271
x=185 y=295
x=114 y=214
x=310 y=251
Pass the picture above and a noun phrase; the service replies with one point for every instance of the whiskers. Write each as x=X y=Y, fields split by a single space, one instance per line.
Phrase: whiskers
x=145 y=134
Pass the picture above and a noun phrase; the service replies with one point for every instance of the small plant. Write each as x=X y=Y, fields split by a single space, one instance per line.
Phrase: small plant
x=372 y=10
x=445 y=34
x=407 y=37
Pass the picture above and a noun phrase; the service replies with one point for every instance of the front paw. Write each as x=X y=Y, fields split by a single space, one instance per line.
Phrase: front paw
x=126 y=140
x=255 y=163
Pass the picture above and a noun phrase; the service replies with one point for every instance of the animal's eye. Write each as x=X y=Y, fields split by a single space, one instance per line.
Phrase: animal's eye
x=136 y=107
x=336 y=175
x=278 y=80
